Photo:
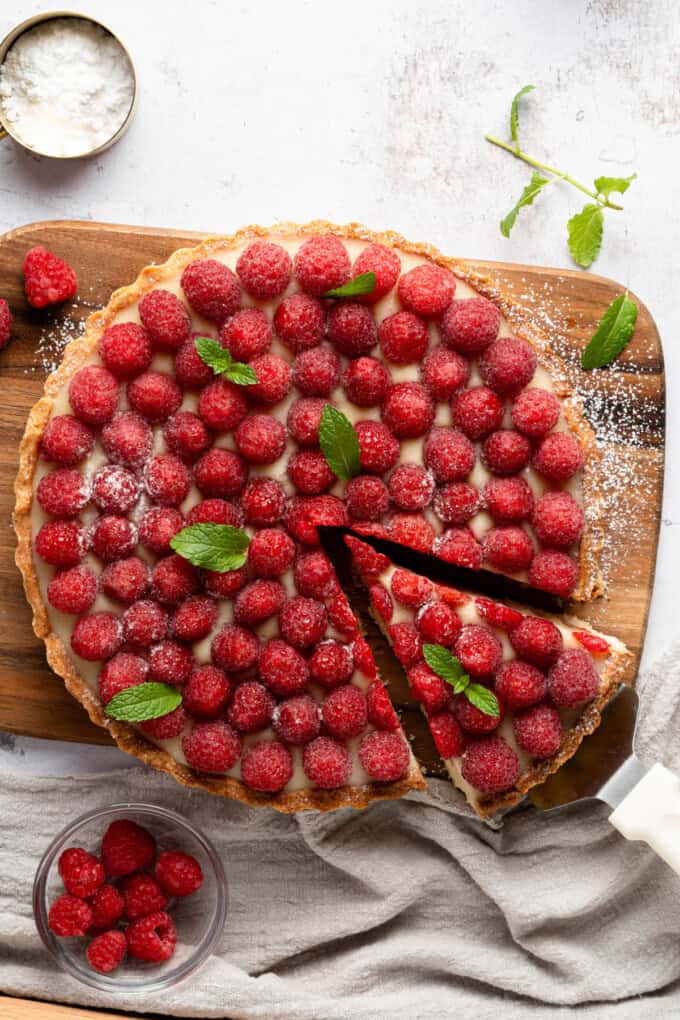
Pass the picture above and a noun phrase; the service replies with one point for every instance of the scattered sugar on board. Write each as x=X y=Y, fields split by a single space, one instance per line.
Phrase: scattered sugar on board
x=52 y=343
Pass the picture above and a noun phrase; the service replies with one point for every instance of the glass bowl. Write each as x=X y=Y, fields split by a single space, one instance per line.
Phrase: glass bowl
x=199 y=918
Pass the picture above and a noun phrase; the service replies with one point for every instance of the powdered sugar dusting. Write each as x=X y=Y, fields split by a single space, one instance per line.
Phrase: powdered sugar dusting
x=52 y=343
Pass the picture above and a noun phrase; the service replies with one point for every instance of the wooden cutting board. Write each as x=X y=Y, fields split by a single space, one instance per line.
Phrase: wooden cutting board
x=626 y=405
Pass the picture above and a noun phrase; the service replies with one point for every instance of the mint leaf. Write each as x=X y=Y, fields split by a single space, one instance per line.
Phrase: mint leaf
x=606 y=185
x=339 y=443
x=585 y=234
x=145 y=701
x=612 y=334
x=447 y=666
x=514 y=111
x=483 y=699
x=364 y=283
x=222 y=363
x=219 y=547
x=241 y=374
x=526 y=198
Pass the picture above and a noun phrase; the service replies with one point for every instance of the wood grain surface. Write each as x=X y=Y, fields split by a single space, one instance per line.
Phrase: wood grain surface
x=625 y=405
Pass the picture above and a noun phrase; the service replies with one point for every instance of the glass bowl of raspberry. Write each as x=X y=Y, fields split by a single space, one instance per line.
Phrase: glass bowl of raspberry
x=130 y=898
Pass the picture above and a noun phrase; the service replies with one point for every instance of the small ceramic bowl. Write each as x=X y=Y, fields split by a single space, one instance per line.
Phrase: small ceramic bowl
x=199 y=918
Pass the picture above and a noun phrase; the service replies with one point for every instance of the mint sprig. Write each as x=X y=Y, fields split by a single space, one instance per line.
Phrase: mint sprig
x=144 y=701
x=442 y=662
x=218 y=547
x=585 y=234
x=220 y=360
x=535 y=185
x=614 y=331
x=514 y=113
x=339 y=443
x=364 y=283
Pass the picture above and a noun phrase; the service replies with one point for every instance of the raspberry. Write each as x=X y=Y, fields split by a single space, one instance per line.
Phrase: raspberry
x=490 y=765
x=366 y=497
x=115 y=489
x=154 y=395
x=471 y=325
x=508 y=365
x=251 y=707
x=369 y=562
x=144 y=622
x=211 y=289
x=166 y=319
x=158 y=526
x=380 y=711
x=264 y=269
x=66 y=440
x=456 y=502
x=573 y=679
x=535 y=412
x=406 y=642
x=191 y=371
x=479 y=650
x=224 y=585
x=411 y=487
x=107 y=908
x=270 y=553
x=384 y=756
x=296 y=720
x=593 y=643
x=316 y=371
x=125 y=349
x=69 y=916
x=444 y=372
x=172 y=579
x=342 y=618
x=410 y=589
x=321 y=264
x=220 y=473
x=266 y=766
x=142 y=895
x=403 y=338
x=344 y=712
x=178 y=874
x=273 y=374
x=222 y=405
x=429 y=688
x=167 y=479
x=126 y=580
x=5 y=323
x=212 y=746
x=411 y=530
x=206 y=692
x=309 y=472
x=508 y=499
x=460 y=547
x=326 y=763
x=260 y=438
x=299 y=322
x=447 y=734
x=97 y=636
x=215 y=511
x=538 y=730
x=382 y=601
x=508 y=548
x=258 y=601
x=263 y=500
x=80 y=871
x=152 y=938
x=427 y=289
x=438 y=624
x=352 y=328
x=63 y=492
x=557 y=520
x=48 y=280
x=165 y=727
x=247 y=334
x=122 y=671
x=451 y=596
x=314 y=575
x=93 y=394
x=477 y=412
x=303 y=621
x=554 y=572
x=537 y=640
x=106 y=951
x=113 y=537
x=127 y=439
x=331 y=663
x=408 y=410
x=497 y=615
x=384 y=263
x=363 y=658
x=234 y=648
x=379 y=448
x=126 y=847
x=449 y=455
x=365 y=381
x=472 y=719
x=305 y=513
x=559 y=456
x=194 y=618
x=72 y=591
x=186 y=435
x=506 y=452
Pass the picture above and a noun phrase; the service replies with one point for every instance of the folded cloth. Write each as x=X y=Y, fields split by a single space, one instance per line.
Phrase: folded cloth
x=409 y=909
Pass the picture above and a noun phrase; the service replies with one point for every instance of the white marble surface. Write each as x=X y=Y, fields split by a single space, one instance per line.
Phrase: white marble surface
x=253 y=112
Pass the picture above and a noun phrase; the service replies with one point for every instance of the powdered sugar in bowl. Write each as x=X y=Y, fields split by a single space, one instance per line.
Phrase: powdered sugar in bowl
x=67 y=86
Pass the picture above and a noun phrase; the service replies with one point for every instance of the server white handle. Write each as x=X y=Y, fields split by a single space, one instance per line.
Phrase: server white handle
x=651 y=812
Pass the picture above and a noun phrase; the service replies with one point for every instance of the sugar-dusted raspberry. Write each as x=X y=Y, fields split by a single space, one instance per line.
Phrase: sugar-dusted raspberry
x=342 y=618
x=593 y=643
x=69 y=916
x=172 y=579
x=508 y=548
x=508 y=365
x=224 y=585
x=72 y=591
x=177 y=873
x=222 y=405
x=260 y=438
x=246 y=334
x=438 y=624
x=506 y=452
x=406 y=642
x=154 y=395
x=456 y=502
x=477 y=411
x=429 y=688
x=66 y=440
x=379 y=449
x=97 y=636
x=266 y=766
x=470 y=325
x=427 y=289
x=363 y=658
x=460 y=547
x=497 y=615
x=448 y=737
x=479 y=650
x=314 y=575
x=557 y=520
x=321 y=264
x=490 y=765
x=144 y=622
x=167 y=479
x=126 y=847
x=369 y=562
x=309 y=472
x=264 y=269
x=234 y=648
x=299 y=322
x=258 y=601
x=122 y=671
x=410 y=589
x=194 y=618
x=215 y=511
x=282 y=668
x=48 y=280
x=107 y=908
x=384 y=756
x=251 y=707
x=166 y=319
x=449 y=455
x=274 y=379
x=170 y=663
x=211 y=289
x=344 y=712
x=408 y=410
x=381 y=601
x=113 y=537
x=127 y=439
x=125 y=349
x=508 y=499
x=191 y=371
x=411 y=487
x=331 y=663
x=63 y=492
x=403 y=338
x=366 y=381
x=380 y=710
x=384 y=263
x=81 y=872
x=158 y=526
x=115 y=489
x=213 y=746
x=326 y=763
x=535 y=412
x=165 y=727
x=554 y=572
x=538 y=730
x=152 y=938
x=93 y=394
x=537 y=640
x=316 y=372
x=519 y=684
x=5 y=323
x=270 y=553
x=206 y=692
x=411 y=530
x=573 y=679
x=444 y=372
x=262 y=501
x=125 y=580
x=305 y=513
x=559 y=456
x=142 y=895
x=472 y=719
x=220 y=473
x=303 y=621
x=451 y=596
x=297 y=720
x=352 y=328
x=106 y=951
x=367 y=498
x=186 y=435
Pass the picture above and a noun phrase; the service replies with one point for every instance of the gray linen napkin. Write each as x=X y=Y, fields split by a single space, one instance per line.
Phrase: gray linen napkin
x=410 y=909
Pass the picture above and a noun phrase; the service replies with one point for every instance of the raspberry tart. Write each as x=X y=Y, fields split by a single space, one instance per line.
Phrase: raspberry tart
x=470 y=448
